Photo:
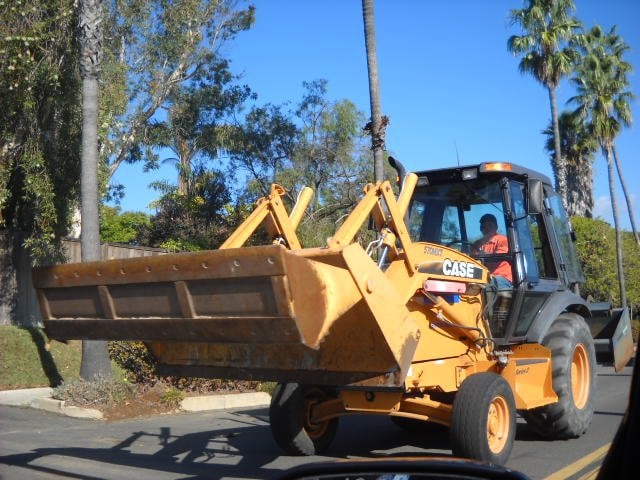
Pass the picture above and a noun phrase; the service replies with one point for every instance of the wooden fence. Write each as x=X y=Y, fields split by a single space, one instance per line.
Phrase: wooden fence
x=18 y=300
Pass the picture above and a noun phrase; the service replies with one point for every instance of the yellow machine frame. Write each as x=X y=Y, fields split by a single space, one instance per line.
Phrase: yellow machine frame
x=389 y=339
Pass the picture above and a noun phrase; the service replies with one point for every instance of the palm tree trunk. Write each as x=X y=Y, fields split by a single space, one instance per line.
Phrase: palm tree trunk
x=616 y=223
x=627 y=198
x=560 y=166
x=95 y=356
x=184 y=166
x=377 y=129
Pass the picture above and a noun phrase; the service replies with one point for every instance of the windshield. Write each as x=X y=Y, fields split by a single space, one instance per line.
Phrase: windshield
x=449 y=214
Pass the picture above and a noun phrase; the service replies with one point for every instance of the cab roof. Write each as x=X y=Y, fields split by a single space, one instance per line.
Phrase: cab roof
x=467 y=172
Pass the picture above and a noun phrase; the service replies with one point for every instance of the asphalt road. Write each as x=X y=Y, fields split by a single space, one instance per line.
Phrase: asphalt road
x=237 y=444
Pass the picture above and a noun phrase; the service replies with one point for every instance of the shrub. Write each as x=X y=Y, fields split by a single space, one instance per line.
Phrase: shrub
x=596 y=247
x=140 y=365
x=99 y=392
x=136 y=359
x=172 y=397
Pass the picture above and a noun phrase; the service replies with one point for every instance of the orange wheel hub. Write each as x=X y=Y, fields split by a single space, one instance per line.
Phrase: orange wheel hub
x=580 y=377
x=498 y=424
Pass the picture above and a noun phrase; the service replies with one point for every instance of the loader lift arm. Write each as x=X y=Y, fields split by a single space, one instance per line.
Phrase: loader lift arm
x=270 y=210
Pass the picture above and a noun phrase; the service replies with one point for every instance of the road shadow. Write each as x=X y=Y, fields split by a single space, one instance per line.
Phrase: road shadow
x=245 y=451
x=198 y=455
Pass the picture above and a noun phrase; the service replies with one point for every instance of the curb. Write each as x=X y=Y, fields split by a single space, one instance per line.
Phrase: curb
x=58 y=406
x=40 y=398
x=24 y=397
x=225 y=401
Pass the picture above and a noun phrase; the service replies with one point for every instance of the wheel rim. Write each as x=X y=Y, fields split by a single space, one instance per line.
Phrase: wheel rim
x=498 y=425
x=580 y=379
x=314 y=429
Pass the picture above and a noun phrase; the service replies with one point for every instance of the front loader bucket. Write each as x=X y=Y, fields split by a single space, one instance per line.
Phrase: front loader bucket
x=611 y=331
x=311 y=316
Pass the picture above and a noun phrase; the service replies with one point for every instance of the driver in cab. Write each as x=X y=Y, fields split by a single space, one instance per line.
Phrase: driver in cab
x=493 y=242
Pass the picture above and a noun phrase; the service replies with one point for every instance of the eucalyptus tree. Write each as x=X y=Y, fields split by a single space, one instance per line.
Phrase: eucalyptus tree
x=331 y=157
x=547 y=54
x=263 y=147
x=378 y=122
x=578 y=147
x=330 y=131
x=319 y=144
x=200 y=121
x=603 y=98
x=163 y=45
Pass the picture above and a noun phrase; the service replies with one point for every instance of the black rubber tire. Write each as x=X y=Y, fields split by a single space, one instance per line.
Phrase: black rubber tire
x=288 y=415
x=478 y=399
x=565 y=419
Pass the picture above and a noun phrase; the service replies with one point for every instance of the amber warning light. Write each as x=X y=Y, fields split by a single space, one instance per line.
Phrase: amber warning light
x=497 y=167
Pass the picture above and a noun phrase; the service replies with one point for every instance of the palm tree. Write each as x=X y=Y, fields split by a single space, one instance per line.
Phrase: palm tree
x=377 y=125
x=547 y=55
x=627 y=197
x=578 y=147
x=95 y=357
x=601 y=83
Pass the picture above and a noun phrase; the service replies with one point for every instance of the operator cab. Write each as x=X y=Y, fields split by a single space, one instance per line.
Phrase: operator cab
x=447 y=208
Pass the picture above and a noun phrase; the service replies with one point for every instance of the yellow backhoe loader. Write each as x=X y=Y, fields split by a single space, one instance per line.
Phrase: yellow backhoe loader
x=413 y=325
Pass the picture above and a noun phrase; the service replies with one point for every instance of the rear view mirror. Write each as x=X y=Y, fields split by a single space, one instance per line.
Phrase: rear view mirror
x=535 y=196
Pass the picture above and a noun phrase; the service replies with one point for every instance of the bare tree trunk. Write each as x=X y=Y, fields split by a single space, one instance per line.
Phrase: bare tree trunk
x=560 y=166
x=616 y=223
x=580 y=188
x=377 y=127
x=95 y=357
x=627 y=198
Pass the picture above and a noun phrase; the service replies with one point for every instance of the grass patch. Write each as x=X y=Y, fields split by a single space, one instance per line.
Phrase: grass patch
x=29 y=360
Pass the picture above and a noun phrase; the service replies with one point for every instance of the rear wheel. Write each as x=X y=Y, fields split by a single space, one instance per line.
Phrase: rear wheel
x=483 y=421
x=573 y=360
x=290 y=418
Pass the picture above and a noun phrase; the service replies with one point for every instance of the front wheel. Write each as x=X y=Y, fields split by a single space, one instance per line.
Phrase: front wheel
x=573 y=360
x=290 y=418
x=483 y=420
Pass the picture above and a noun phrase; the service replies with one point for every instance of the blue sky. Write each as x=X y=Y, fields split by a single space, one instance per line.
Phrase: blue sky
x=447 y=81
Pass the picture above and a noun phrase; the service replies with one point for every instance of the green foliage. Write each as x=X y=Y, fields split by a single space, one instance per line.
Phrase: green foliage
x=601 y=80
x=139 y=365
x=172 y=397
x=193 y=221
x=200 y=121
x=39 y=122
x=545 y=44
x=320 y=144
x=263 y=146
x=268 y=387
x=135 y=359
x=596 y=250
x=169 y=49
x=116 y=227
x=98 y=392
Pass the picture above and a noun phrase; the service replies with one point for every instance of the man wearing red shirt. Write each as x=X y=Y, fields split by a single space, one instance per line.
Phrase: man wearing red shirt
x=494 y=242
